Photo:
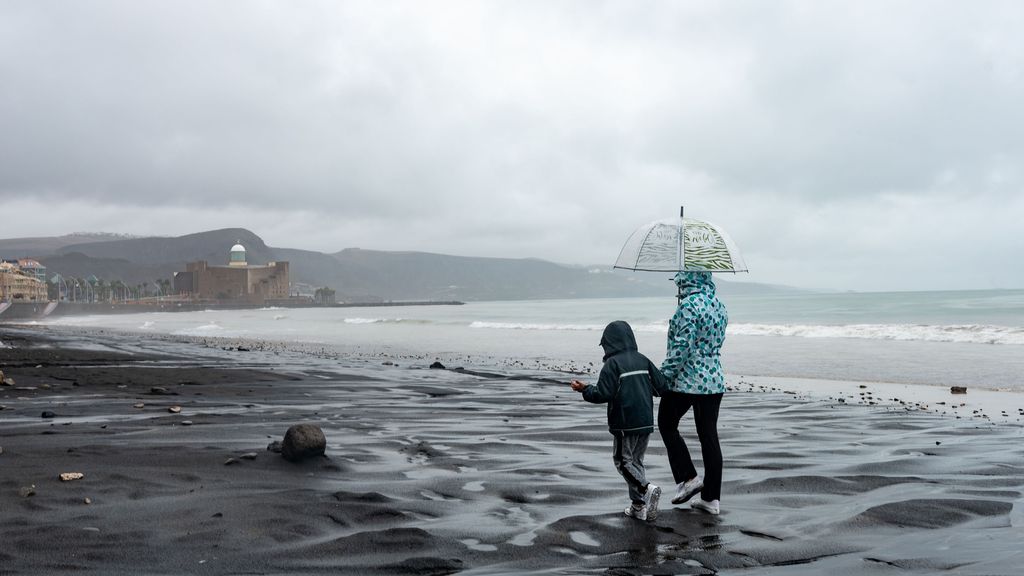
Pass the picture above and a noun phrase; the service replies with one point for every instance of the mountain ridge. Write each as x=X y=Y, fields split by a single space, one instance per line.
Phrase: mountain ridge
x=356 y=274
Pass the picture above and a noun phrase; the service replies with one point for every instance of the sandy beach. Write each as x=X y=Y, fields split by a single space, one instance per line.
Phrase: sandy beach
x=471 y=471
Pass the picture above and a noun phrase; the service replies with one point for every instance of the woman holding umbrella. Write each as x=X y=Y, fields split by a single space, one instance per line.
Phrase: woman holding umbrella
x=694 y=374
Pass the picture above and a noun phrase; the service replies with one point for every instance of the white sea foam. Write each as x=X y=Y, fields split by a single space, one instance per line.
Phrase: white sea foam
x=965 y=333
x=147 y=325
x=387 y=321
x=961 y=333
x=652 y=327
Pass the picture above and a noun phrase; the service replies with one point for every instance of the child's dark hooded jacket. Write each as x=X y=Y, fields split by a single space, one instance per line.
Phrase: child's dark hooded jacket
x=628 y=382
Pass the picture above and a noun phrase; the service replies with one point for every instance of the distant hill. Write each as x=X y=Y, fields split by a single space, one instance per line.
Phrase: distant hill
x=356 y=275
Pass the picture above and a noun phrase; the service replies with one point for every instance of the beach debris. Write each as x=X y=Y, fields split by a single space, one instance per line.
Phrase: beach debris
x=274 y=446
x=48 y=414
x=139 y=405
x=303 y=441
x=27 y=491
x=958 y=389
x=174 y=409
x=69 y=476
x=437 y=366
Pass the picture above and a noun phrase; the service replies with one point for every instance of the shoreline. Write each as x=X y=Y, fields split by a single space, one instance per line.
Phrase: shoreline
x=434 y=471
x=1005 y=406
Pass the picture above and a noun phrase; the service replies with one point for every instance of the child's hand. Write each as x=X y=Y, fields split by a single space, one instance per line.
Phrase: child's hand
x=577 y=386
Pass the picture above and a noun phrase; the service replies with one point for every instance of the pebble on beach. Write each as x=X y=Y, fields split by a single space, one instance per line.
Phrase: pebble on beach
x=26 y=491
x=174 y=409
x=958 y=389
x=48 y=414
x=69 y=476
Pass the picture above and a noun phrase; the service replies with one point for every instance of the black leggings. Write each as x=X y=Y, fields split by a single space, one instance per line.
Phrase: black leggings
x=705 y=415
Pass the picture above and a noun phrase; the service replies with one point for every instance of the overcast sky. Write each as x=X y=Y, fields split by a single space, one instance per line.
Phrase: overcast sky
x=845 y=145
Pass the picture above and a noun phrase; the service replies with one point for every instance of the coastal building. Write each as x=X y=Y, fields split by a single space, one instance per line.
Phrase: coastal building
x=17 y=285
x=238 y=282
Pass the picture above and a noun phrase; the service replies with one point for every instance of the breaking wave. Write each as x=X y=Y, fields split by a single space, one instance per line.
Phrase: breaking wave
x=386 y=321
x=655 y=327
x=961 y=333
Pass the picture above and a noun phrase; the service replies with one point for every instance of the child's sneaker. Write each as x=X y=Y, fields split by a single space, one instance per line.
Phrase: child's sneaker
x=709 y=507
x=686 y=490
x=651 y=498
x=638 y=511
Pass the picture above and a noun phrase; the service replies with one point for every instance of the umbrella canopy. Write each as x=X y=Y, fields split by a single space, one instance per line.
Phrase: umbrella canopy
x=680 y=245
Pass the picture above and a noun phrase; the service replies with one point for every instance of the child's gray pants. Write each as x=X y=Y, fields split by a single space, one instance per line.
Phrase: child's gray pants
x=629 y=461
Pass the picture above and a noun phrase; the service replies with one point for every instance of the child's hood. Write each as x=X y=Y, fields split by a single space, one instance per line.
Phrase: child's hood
x=617 y=337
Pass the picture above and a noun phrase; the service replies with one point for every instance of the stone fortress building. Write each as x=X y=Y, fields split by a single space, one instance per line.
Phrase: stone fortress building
x=238 y=282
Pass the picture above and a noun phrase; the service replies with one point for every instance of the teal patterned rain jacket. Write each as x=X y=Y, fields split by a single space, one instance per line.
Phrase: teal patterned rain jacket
x=695 y=336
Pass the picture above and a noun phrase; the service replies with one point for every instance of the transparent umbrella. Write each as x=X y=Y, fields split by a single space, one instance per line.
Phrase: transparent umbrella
x=680 y=245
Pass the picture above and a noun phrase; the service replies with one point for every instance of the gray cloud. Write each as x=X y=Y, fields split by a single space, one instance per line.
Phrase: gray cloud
x=844 y=144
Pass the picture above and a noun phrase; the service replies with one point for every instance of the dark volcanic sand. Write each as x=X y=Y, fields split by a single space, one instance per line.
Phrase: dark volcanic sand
x=442 y=472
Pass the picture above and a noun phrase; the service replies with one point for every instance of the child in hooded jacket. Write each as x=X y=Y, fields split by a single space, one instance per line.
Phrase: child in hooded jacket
x=628 y=383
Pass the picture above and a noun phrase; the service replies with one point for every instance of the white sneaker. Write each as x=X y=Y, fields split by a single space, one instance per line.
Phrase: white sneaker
x=651 y=498
x=709 y=507
x=638 y=512
x=686 y=490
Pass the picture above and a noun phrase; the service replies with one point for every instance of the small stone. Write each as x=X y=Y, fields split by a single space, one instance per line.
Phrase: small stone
x=274 y=446
x=248 y=456
x=7 y=381
x=218 y=515
x=87 y=500
x=174 y=409
x=437 y=366
x=186 y=422
x=139 y=405
x=69 y=476
x=1 y=450
x=159 y=391
x=122 y=385
x=958 y=389
x=26 y=491
x=231 y=461
x=44 y=386
x=48 y=414
x=91 y=529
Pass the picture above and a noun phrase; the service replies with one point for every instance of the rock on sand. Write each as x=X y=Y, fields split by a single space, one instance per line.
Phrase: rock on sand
x=303 y=441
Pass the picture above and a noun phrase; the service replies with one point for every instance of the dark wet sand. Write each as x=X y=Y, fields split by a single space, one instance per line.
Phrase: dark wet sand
x=443 y=472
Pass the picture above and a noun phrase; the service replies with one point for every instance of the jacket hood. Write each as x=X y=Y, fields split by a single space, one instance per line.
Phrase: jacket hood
x=617 y=337
x=694 y=282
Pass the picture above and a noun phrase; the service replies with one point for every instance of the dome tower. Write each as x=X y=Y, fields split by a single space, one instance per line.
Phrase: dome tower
x=237 y=257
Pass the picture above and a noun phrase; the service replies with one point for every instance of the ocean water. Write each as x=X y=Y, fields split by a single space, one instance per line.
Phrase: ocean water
x=973 y=338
